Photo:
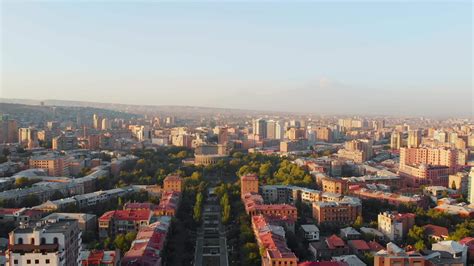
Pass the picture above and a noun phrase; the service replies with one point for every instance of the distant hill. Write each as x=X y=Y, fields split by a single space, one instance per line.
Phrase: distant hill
x=36 y=113
x=142 y=109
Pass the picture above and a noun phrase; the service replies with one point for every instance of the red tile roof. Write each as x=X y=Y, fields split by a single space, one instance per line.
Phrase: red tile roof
x=374 y=246
x=334 y=242
x=359 y=245
x=126 y=215
x=8 y=211
x=323 y=263
x=138 y=206
x=435 y=230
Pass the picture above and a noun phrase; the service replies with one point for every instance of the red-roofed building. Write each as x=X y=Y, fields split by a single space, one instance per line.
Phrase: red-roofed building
x=358 y=247
x=328 y=248
x=169 y=203
x=147 y=246
x=139 y=206
x=123 y=221
x=271 y=238
x=374 y=246
x=254 y=206
x=323 y=263
x=19 y=215
x=436 y=232
x=100 y=258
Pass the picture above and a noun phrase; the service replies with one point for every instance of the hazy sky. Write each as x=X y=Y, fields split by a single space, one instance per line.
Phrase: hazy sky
x=339 y=57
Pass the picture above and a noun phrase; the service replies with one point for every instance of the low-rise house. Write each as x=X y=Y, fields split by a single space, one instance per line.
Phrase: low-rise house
x=349 y=233
x=372 y=233
x=328 y=247
x=454 y=248
x=435 y=232
x=358 y=247
x=310 y=232
x=463 y=210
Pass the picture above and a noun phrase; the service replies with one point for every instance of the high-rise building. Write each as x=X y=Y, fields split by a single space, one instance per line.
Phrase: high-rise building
x=470 y=187
x=97 y=122
x=55 y=165
x=395 y=140
x=52 y=242
x=53 y=126
x=440 y=136
x=324 y=134
x=378 y=124
x=359 y=150
x=105 y=124
x=222 y=135
x=8 y=130
x=28 y=137
x=414 y=138
x=296 y=133
x=279 y=130
x=260 y=128
x=427 y=166
x=271 y=129
x=65 y=141
x=140 y=132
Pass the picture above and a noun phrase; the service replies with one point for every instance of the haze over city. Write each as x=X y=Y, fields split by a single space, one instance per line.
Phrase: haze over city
x=357 y=58
x=236 y=133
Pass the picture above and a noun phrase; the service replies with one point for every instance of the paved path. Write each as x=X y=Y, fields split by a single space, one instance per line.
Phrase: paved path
x=211 y=242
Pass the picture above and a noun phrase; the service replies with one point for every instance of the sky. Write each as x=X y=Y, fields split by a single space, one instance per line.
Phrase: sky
x=344 y=57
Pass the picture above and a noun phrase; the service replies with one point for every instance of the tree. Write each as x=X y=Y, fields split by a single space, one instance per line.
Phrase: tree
x=416 y=234
x=225 y=208
x=453 y=185
x=197 y=208
x=57 y=195
x=420 y=245
x=120 y=243
x=358 y=223
x=30 y=201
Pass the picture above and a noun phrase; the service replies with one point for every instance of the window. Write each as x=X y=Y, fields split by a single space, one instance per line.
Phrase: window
x=43 y=241
x=20 y=240
x=47 y=261
x=37 y=261
x=55 y=240
x=15 y=262
x=28 y=261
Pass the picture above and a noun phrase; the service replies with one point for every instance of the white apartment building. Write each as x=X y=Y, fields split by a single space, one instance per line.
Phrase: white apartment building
x=53 y=242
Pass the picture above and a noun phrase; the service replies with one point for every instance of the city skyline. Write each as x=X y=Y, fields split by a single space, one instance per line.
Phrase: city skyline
x=387 y=58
